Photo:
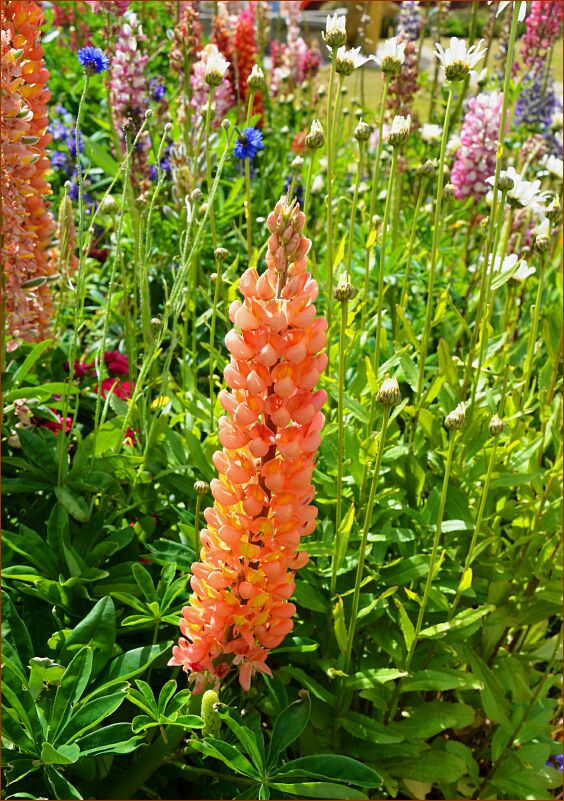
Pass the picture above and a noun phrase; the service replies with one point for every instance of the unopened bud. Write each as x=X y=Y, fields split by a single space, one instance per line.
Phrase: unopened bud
x=256 y=80
x=201 y=487
x=148 y=113
x=553 y=210
x=155 y=321
x=168 y=127
x=226 y=124
x=344 y=291
x=542 y=243
x=195 y=195
x=448 y=192
x=505 y=183
x=129 y=127
x=362 y=132
x=297 y=163
x=428 y=168
x=455 y=420
x=315 y=138
x=212 y=721
x=389 y=393
x=220 y=254
x=496 y=426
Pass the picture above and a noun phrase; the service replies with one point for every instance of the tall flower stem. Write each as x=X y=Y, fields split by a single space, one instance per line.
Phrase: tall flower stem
x=354 y=208
x=364 y=541
x=486 y=310
x=434 y=256
x=477 y=526
x=411 y=242
x=330 y=169
x=528 y=368
x=340 y=437
x=197 y=524
x=208 y=164
x=387 y=208
x=376 y=169
x=433 y=561
x=248 y=182
x=218 y=266
x=308 y=184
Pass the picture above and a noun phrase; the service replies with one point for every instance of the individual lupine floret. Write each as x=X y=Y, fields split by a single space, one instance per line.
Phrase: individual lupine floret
x=475 y=158
x=26 y=221
x=240 y=606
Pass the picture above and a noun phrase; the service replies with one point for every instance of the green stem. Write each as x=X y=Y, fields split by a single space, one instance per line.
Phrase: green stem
x=197 y=524
x=340 y=435
x=248 y=182
x=330 y=168
x=436 y=539
x=353 y=210
x=478 y=525
x=212 y=338
x=208 y=166
x=411 y=242
x=308 y=186
x=364 y=540
x=434 y=253
x=387 y=207
x=376 y=170
x=527 y=370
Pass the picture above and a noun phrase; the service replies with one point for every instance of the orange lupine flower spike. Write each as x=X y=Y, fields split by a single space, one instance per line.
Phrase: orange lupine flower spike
x=26 y=222
x=240 y=608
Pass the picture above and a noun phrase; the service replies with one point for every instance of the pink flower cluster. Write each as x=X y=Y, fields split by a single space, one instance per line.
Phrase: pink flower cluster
x=475 y=158
x=118 y=7
x=292 y=61
x=544 y=24
x=404 y=86
x=128 y=81
x=240 y=606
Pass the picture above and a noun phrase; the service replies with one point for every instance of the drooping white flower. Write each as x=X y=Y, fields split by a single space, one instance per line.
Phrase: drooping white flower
x=335 y=30
x=458 y=61
x=523 y=193
x=391 y=56
x=556 y=121
x=349 y=60
x=216 y=66
x=554 y=165
x=503 y=5
x=399 y=130
x=523 y=272
x=430 y=132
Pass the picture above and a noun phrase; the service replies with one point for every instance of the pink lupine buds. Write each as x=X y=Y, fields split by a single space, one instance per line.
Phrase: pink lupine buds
x=270 y=433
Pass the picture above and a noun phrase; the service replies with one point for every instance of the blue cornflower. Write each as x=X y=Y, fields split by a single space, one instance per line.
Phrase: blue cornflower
x=59 y=161
x=157 y=89
x=57 y=130
x=153 y=172
x=248 y=144
x=556 y=762
x=93 y=60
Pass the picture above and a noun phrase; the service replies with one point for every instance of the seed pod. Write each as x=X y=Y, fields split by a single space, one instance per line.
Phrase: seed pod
x=389 y=393
x=455 y=420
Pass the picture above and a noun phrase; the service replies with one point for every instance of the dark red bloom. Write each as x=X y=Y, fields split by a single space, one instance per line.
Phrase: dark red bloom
x=117 y=363
x=56 y=426
x=120 y=388
x=82 y=369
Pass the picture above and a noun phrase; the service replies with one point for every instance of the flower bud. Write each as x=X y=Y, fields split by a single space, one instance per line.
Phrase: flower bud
x=389 y=393
x=196 y=195
x=505 y=183
x=542 y=239
x=297 y=163
x=496 y=426
x=212 y=721
x=315 y=138
x=553 y=210
x=256 y=79
x=428 y=168
x=129 y=127
x=335 y=34
x=448 y=192
x=344 y=66
x=362 y=131
x=226 y=124
x=220 y=254
x=344 y=291
x=455 y=420
x=390 y=65
x=201 y=487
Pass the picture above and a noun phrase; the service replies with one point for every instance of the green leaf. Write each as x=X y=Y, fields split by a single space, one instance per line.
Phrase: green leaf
x=60 y=786
x=113 y=739
x=367 y=679
x=288 y=726
x=248 y=739
x=432 y=718
x=339 y=624
x=365 y=728
x=16 y=642
x=90 y=714
x=144 y=582
x=333 y=767
x=431 y=766
x=130 y=664
x=227 y=754
x=309 y=597
x=43 y=671
x=32 y=546
x=444 y=679
x=405 y=624
x=32 y=357
x=320 y=790
x=72 y=686
x=98 y=631
x=461 y=621
x=64 y=755
x=74 y=504
x=310 y=684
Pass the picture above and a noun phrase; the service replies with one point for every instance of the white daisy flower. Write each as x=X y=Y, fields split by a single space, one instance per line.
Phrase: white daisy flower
x=430 y=132
x=349 y=60
x=458 y=61
x=216 y=66
x=553 y=165
x=523 y=272
x=503 y=5
x=399 y=130
x=335 y=30
x=391 y=56
x=524 y=193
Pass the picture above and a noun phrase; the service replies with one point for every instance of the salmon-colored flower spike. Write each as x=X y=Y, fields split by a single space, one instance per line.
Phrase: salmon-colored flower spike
x=26 y=222
x=270 y=434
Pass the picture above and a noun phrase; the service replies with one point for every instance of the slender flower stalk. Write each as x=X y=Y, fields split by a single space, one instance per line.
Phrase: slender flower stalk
x=495 y=427
x=330 y=177
x=453 y=422
x=411 y=241
x=201 y=488
x=535 y=310
x=250 y=102
x=376 y=167
x=434 y=255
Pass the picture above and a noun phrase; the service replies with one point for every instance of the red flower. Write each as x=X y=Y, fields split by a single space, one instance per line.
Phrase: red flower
x=82 y=369
x=117 y=363
x=298 y=142
x=120 y=388
x=57 y=425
